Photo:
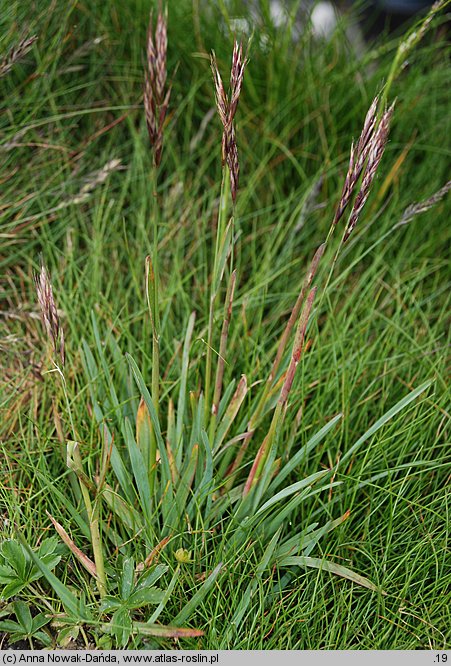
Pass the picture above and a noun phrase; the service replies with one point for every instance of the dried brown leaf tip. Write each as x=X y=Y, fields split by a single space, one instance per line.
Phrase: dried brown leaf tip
x=156 y=93
x=365 y=158
x=227 y=105
x=49 y=312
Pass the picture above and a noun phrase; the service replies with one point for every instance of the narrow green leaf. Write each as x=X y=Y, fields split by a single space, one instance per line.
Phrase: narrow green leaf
x=250 y=590
x=184 y=487
x=166 y=472
x=124 y=511
x=410 y=397
x=303 y=452
x=337 y=569
x=166 y=596
x=230 y=414
x=139 y=471
x=289 y=490
x=198 y=597
x=183 y=380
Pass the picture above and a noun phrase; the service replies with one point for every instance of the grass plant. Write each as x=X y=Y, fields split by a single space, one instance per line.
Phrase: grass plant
x=226 y=433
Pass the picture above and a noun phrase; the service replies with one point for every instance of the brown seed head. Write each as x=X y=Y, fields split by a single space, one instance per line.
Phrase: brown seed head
x=49 y=312
x=375 y=151
x=357 y=159
x=227 y=106
x=156 y=96
x=16 y=53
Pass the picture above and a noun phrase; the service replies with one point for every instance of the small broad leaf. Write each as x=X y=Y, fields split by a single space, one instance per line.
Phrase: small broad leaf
x=127 y=578
x=109 y=604
x=144 y=597
x=48 y=547
x=12 y=589
x=151 y=576
x=9 y=626
x=68 y=599
x=23 y=616
x=67 y=636
x=39 y=621
x=7 y=575
x=15 y=556
x=121 y=626
x=43 y=638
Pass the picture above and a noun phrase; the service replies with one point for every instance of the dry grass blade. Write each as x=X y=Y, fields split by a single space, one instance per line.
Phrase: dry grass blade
x=16 y=53
x=49 y=312
x=79 y=554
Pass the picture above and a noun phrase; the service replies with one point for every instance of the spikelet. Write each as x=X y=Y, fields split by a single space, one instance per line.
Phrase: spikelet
x=227 y=106
x=49 y=312
x=156 y=92
x=16 y=53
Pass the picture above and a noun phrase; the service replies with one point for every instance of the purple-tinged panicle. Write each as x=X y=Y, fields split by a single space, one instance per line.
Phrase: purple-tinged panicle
x=227 y=106
x=357 y=160
x=376 y=150
x=15 y=54
x=49 y=312
x=156 y=97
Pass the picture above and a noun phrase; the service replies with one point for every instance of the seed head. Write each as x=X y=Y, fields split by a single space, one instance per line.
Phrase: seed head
x=49 y=312
x=227 y=105
x=375 y=151
x=357 y=160
x=16 y=53
x=156 y=96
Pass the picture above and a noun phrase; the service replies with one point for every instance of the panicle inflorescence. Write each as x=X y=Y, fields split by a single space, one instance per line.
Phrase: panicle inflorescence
x=49 y=312
x=16 y=53
x=156 y=96
x=365 y=158
x=423 y=206
x=227 y=106
x=376 y=150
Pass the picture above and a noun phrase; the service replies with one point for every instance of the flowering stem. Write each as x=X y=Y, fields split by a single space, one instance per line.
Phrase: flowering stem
x=218 y=268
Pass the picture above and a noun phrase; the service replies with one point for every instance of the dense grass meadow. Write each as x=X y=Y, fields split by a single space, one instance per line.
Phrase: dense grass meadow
x=130 y=519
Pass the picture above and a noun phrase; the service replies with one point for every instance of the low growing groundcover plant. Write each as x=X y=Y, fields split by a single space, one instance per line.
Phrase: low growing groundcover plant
x=191 y=472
